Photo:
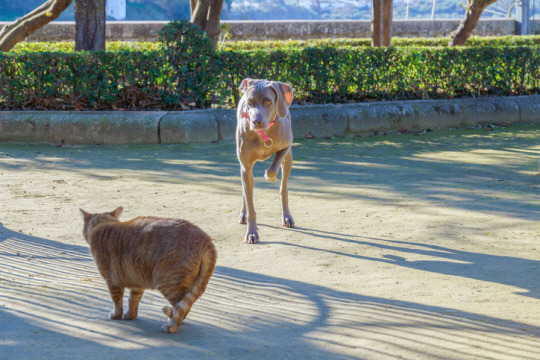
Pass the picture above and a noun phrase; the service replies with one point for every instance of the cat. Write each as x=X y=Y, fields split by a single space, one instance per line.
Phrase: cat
x=170 y=255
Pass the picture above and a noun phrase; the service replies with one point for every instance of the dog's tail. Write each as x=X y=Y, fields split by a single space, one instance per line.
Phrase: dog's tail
x=206 y=269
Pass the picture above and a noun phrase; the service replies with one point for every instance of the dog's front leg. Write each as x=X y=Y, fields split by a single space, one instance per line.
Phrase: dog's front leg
x=270 y=174
x=252 y=235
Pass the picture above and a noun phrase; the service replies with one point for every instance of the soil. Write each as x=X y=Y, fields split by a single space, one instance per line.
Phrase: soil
x=406 y=246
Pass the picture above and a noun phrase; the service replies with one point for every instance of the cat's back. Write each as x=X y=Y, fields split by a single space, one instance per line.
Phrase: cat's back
x=150 y=233
x=138 y=250
x=168 y=231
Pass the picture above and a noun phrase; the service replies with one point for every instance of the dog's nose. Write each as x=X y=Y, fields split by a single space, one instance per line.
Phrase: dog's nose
x=257 y=123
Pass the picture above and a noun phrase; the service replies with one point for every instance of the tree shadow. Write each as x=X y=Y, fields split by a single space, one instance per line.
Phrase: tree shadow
x=52 y=297
x=474 y=171
x=504 y=270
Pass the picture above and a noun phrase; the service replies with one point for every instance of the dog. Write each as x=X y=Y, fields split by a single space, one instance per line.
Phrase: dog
x=263 y=129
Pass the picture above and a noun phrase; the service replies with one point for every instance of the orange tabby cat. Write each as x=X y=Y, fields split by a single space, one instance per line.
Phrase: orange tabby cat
x=170 y=255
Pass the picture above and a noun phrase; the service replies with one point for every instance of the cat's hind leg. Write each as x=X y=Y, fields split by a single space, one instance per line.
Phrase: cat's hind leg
x=135 y=296
x=175 y=317
x=197 y=281
x=117 y=296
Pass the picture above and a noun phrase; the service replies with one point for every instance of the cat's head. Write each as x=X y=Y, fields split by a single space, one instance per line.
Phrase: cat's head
x=91 y=220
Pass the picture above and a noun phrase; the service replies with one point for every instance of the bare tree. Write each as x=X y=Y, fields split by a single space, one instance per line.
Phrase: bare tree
x=16 y=31
x=468 y=23
x=207 y=14
x=89 y=25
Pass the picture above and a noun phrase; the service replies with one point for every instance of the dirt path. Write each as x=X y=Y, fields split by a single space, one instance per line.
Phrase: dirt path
x=419 y=247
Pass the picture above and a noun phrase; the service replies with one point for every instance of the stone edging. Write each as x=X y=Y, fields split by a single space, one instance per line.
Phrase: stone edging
x=313 y=121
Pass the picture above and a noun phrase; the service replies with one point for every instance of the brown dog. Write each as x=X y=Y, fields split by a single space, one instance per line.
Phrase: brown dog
x=264 y=128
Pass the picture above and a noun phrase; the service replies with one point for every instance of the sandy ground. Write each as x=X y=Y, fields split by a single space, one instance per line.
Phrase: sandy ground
x=414 y=247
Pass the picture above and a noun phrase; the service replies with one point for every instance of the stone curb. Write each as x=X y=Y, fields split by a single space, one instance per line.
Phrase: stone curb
x=76 y=127
x=309 y=121
x=188 y=127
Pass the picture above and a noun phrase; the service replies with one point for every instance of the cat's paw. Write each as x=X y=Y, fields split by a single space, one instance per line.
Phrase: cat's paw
x=130 y=315
x=167 y=328
x=115 y=315
x=287 y=221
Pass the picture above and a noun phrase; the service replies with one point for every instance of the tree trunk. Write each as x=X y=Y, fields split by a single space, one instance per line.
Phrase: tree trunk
x=200 y=14
x=387 y=22
x=89 y=25
x=12 y=33
x=207 y=14
x=376 y=23
x=213 y=23
x=192 y=6
x=468 y=23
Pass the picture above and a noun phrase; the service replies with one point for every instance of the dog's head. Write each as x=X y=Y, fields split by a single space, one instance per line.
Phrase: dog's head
x=264 y=100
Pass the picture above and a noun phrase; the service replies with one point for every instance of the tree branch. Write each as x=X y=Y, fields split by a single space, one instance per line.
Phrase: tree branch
x=468 y=23
x=16 y=31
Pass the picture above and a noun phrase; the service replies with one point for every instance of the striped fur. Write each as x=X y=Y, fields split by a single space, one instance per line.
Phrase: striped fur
x=170 y=255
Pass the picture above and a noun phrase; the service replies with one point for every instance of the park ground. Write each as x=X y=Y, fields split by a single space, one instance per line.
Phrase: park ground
x=406 y=246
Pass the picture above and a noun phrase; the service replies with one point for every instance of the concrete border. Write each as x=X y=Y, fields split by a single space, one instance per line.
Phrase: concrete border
x=80 y=127
x=309 y=121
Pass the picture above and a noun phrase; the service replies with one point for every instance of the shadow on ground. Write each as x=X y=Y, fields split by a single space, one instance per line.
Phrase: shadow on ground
x=476 y=170
x=504 y=270
x=53 y=304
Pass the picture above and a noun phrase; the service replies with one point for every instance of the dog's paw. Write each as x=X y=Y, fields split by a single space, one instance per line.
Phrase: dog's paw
x=287 y=221
x=242 y=219
x=270 y=176
x=251 y=238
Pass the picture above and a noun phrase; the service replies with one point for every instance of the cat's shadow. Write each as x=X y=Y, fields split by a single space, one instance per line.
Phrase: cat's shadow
x=52 y=296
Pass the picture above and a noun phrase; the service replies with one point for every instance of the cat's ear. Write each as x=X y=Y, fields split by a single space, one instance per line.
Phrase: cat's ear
x=84 y=214
x=116 y=213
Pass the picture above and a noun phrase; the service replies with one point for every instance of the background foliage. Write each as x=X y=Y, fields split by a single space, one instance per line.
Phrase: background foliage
x=268 y=9
x=184 y=71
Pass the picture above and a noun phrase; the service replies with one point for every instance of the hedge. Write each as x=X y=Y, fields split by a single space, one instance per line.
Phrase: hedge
x=140 y=80
x=474 y=41
x=187 y=73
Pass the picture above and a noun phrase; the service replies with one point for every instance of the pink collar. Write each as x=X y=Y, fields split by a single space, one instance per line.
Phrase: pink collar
x=262 y=133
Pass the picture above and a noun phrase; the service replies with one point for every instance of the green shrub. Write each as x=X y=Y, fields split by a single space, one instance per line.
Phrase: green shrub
x=474 y=41
x=85 y=80
x=177 y=74
x=192 y=58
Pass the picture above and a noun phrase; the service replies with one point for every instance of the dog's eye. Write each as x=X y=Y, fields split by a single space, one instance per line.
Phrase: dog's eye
x=251 y=102
x=267 y=101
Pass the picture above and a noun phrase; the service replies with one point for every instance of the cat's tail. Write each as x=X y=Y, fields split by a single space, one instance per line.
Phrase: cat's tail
x=206 y=269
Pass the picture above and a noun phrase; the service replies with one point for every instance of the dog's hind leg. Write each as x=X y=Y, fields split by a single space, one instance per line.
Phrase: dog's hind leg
x=286 y=167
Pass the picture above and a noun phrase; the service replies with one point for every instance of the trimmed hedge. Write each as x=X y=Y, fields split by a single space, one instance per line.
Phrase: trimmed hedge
x=474 y=41
x=323 y=75
x=176 y=76
x=84 y=81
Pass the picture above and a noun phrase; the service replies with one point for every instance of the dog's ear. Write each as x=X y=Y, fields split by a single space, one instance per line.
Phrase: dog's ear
x=246 y=83
x=284 y=97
